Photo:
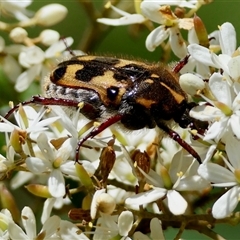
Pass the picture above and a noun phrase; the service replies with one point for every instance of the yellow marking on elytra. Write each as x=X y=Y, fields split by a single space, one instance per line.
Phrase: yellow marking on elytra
x=154 y=75
x=145 y=102
x=178 y=97
x=150 y=81
x=124 y=62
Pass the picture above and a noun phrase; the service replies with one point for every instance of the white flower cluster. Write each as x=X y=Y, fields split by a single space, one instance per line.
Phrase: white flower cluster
x=24 y=61
x=130 y=178
x=220 y=94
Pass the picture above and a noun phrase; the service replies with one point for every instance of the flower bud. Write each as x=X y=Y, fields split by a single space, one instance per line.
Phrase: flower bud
x=50 y=14
x=84 y=177
x=102 y=202
x=8 y=201
x=201 y=31
x=39 y=190
x=106 y=203
x=18 y=34
x=17 y=139
x=86 y=202
x=48 y=37
x=191 y=83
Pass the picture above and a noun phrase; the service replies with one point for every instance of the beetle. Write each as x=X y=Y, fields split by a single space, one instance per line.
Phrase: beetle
x=131 y=93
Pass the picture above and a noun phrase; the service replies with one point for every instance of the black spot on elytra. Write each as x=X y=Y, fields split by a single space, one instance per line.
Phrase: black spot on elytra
x=90 y=71
x=131 y=71
x=112 y=92
x=58 y=74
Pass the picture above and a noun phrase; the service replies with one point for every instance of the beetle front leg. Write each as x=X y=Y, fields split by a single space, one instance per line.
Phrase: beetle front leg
x=175 y=136
x=95 y=131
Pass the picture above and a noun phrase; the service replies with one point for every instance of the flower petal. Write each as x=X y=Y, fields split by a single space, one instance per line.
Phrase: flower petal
x=156 y=37
x=69 y=230
x=125 y=222
x=215 y=173
x=233 y=150
x=177 y=43
x=68 y=168
x=150 y=9
x=29 y=222
x=205 y=112
x=233 y=66
x=176 y=203
x=192 y=183
x=235 y=123
x=220 y=89
x=27 y=77
x=201 y=54
x=37 y=165
x=5 y=127
x=125 y=20
x=140 y=236
x=15 y=232
x=45 y=147
x=156 y=229
x=51 y=226
x=58 y=47
x=146 y=197
x=47 y=209
x=227 y=38
x=217 y=130
x=221 y=61
x=225 y=205
x=56 y=183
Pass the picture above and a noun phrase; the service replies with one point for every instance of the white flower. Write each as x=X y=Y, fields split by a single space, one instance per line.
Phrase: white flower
x=69 y=230
x=68 y=128
x=226 y=178
x=126 y=18
x=49 y=228
x=16 y=8
x=109 y=227
x=179 y=3
x=28 y=120
x=181 y=176
x=169 y=24
x=102 y=202
x=55 y=161
x=228 y=60
x=37 y=62
x=169 y=27
x=224 y=111
x=50 y=14
x=29 y=124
